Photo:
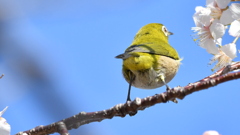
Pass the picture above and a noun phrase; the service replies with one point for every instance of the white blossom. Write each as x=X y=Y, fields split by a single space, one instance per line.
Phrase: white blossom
x=224 y=56
x=231 y=14
x=209 y=36
x=217 y=31
x=202 y=16
x=211 y=24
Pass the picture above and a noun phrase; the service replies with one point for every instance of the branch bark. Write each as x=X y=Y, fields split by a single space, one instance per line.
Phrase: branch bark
x=131 y=108
x=1 y=76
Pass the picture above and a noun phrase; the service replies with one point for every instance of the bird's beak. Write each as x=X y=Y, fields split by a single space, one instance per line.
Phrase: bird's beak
x=170 y=33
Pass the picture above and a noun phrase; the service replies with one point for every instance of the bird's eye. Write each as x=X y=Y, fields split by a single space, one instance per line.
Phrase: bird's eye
x=165 y=31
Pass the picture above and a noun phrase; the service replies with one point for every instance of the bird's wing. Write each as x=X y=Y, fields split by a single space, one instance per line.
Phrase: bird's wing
x=160 y=49
x=130 y=50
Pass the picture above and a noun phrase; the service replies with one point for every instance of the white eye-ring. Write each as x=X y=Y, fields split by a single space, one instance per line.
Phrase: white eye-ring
x=165 y=31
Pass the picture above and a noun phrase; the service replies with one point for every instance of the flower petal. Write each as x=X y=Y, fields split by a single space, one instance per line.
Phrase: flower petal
x=222 y=3
x=219 y=41
x=210 y=46
x=222 y=60
x=202 y=16
x=196 y=19
x=217 y=29
x=234 y=29
x=235 y=9
x=216 y=12
x=230 y=50
x=227 y=17
x=4 y=126
x=211 y=3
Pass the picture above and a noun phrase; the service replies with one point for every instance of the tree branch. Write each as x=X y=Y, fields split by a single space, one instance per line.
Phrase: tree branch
x=132 y=107
x=1 y=76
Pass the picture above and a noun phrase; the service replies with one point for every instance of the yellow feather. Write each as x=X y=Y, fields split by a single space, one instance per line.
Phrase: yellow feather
x=139 y=61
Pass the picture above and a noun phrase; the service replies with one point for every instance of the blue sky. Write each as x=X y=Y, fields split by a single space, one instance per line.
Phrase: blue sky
x=58 y=60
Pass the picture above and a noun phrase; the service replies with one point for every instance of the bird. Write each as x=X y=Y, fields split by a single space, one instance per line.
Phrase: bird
x=150 y=61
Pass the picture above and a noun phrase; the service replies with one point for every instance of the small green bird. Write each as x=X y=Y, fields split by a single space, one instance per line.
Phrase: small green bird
x=150 y=62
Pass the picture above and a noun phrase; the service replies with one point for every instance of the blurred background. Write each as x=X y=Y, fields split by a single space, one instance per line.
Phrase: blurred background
x=58 y=60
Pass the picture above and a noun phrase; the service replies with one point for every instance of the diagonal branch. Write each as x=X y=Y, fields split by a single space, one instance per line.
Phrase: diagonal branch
x=131 y=108
x=1 y=76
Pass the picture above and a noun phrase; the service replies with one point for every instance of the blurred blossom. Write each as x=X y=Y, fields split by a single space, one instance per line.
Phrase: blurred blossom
x=4 y=126
x=211 y=132
x=29 y=63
